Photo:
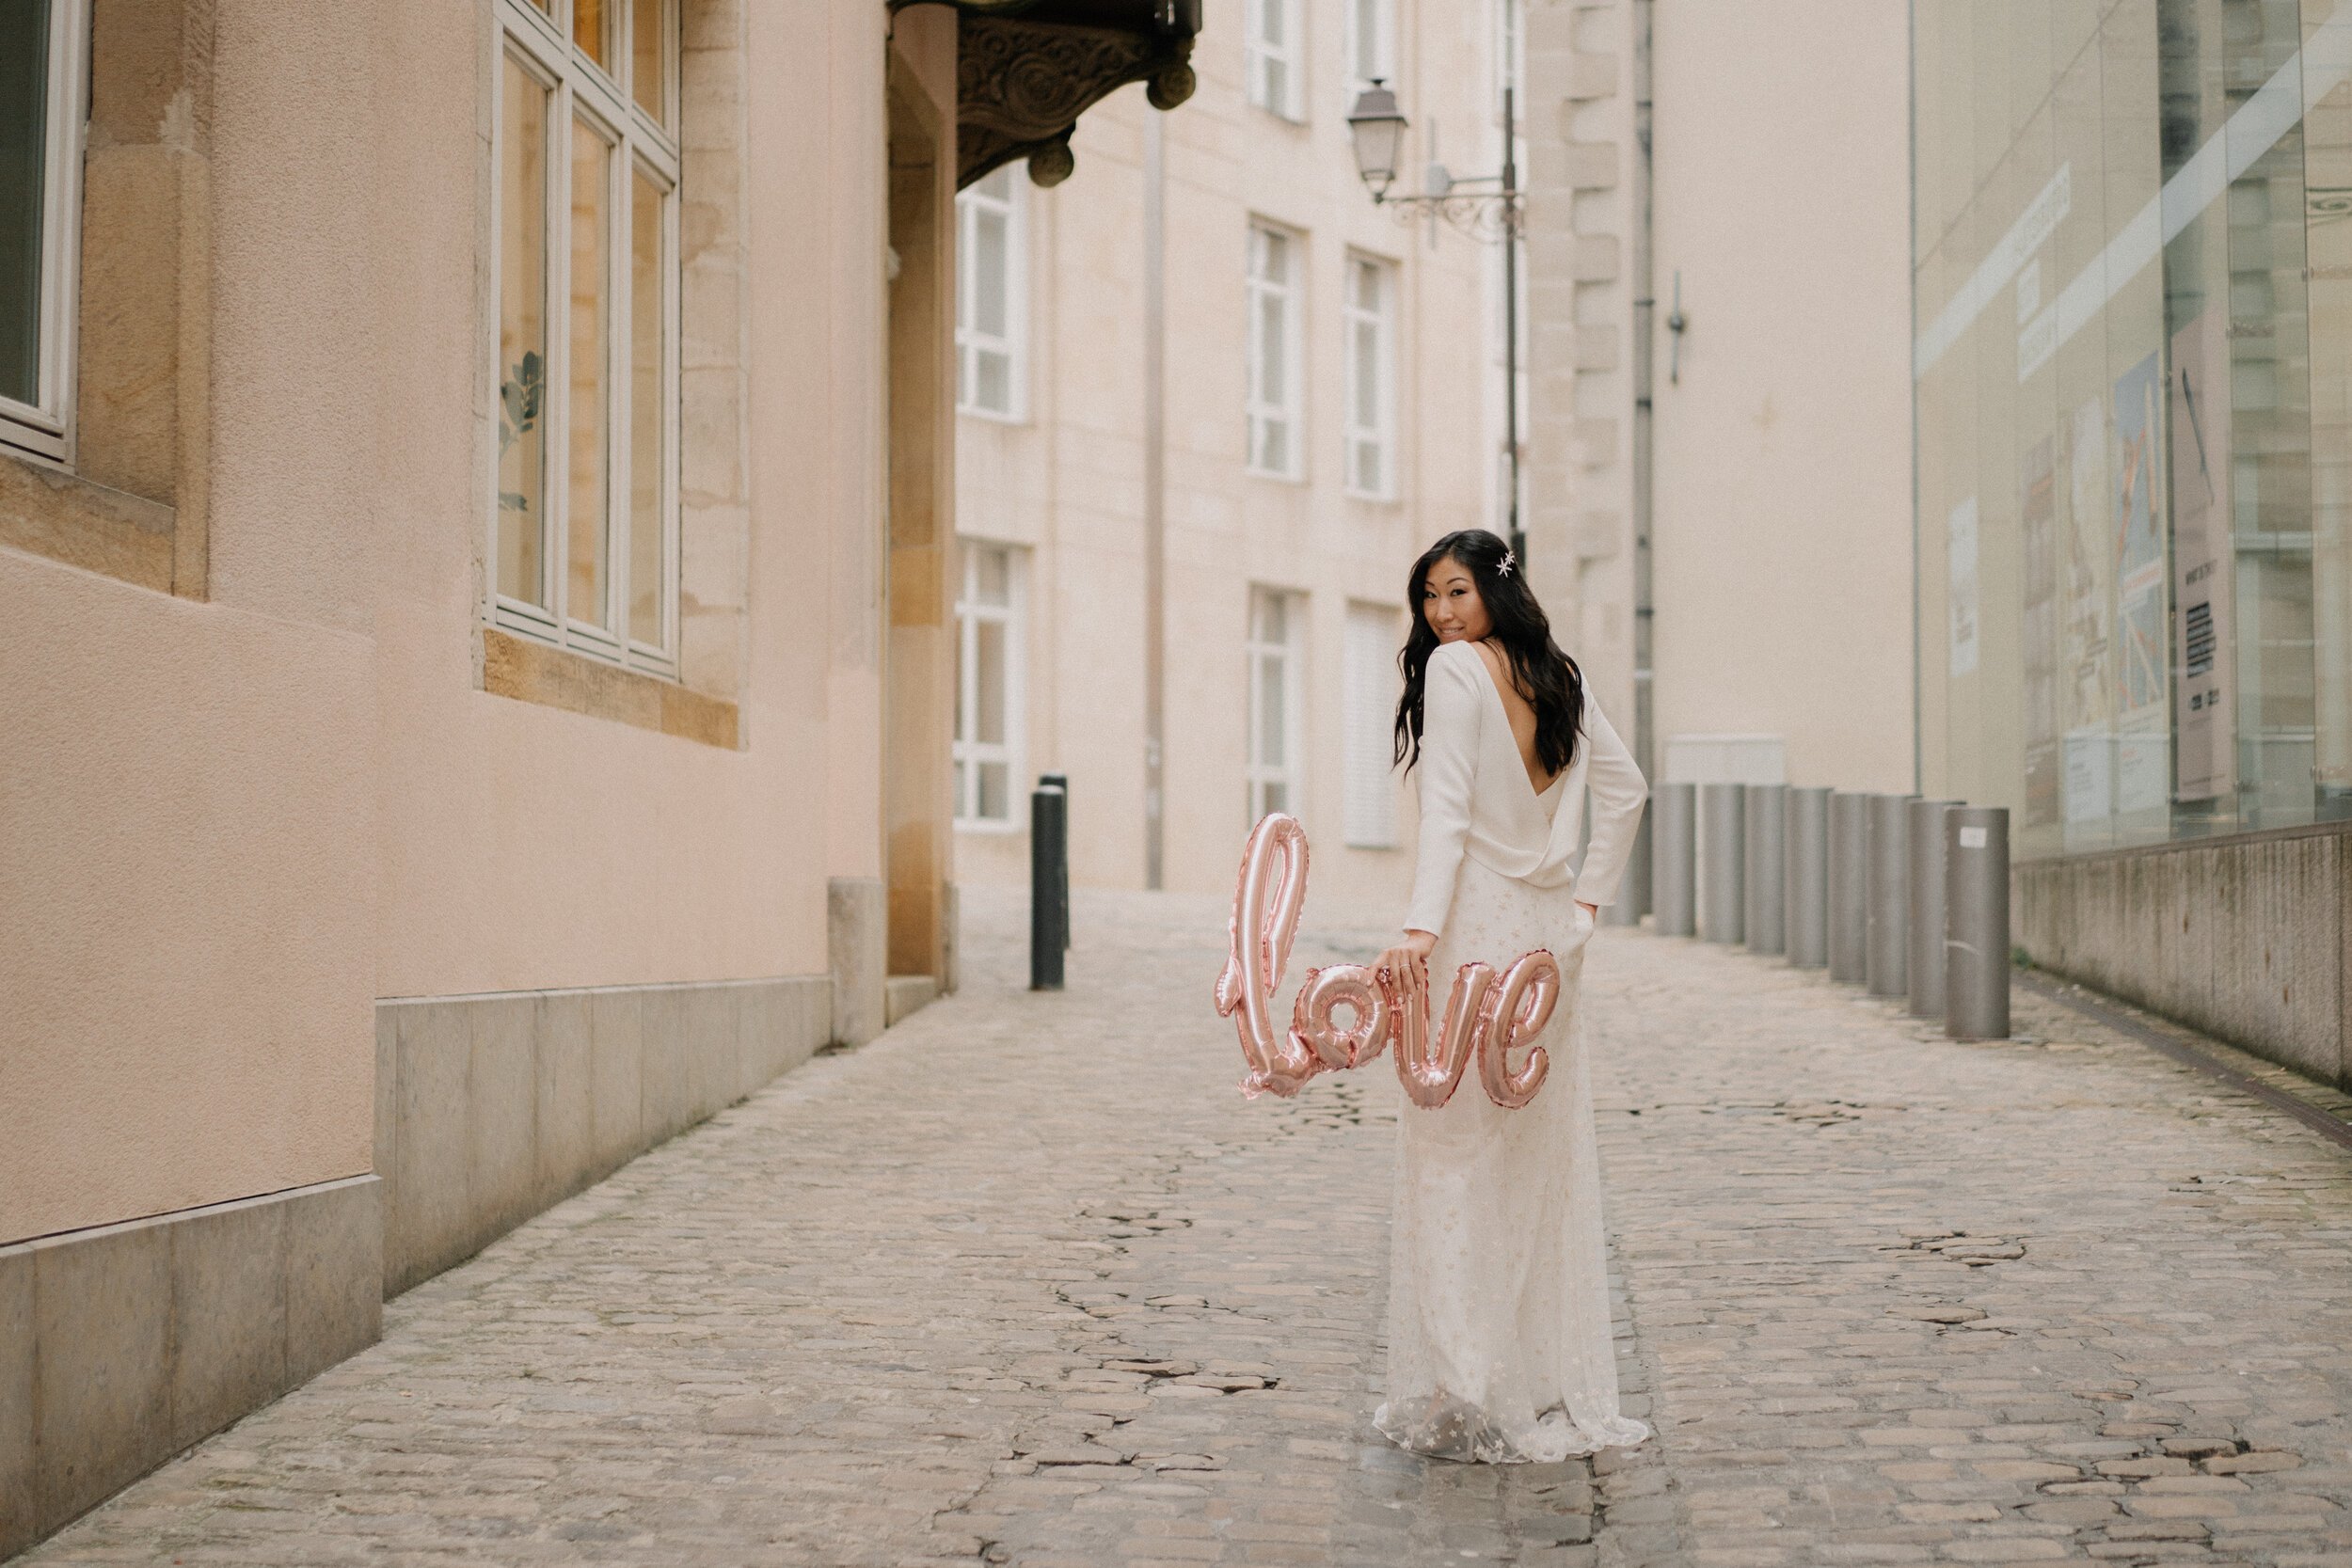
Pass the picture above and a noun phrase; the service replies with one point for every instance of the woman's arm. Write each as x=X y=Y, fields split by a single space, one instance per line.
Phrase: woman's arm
x=1451 y=706
x=1618 y=794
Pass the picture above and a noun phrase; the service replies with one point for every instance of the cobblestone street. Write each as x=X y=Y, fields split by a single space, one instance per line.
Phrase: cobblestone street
x=1025 y=1282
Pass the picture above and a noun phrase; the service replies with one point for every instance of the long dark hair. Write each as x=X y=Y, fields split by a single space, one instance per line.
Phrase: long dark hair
x=1547 y=677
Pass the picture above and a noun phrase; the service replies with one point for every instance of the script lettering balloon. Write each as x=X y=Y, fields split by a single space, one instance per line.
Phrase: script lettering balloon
x=1486 y=1018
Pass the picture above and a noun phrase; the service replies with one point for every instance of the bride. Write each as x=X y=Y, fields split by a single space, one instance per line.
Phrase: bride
x=1499 y=1336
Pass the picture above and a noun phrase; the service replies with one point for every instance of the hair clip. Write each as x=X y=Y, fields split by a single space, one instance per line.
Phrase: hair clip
x=1510 y=558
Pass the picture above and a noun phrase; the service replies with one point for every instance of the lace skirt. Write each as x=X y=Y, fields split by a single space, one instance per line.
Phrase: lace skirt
x=1499 y=1332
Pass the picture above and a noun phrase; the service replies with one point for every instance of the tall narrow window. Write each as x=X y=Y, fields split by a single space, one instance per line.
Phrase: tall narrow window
x=988 y=685
x=1273 y=352
x=1372 y=39
x=1275 y=634
x=42 y=110
x=1274 y=55
x=1368 y=701
x=1371 y=378
x=990 y=292
x=585 y=524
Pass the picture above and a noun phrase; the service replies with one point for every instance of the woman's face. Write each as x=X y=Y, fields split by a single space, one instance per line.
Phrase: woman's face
x=1451 y=605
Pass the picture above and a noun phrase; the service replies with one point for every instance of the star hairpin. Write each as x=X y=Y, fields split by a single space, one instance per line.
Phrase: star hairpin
x=1510 y=558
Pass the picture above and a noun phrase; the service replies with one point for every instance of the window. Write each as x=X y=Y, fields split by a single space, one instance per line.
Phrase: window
x=988 y=685
x=1274 y=626
x=991 y=290
x=585 y=522
x=1273 y=352
x=42 y=108
x=1372 y=39
x=1274 y=55
x=1369 y=701
x=1371 y=378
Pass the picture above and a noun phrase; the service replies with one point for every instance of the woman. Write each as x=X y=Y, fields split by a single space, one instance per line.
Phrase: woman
x=1499 y=1337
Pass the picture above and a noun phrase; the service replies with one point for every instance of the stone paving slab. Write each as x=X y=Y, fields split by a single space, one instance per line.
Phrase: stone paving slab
x=1027 y=1282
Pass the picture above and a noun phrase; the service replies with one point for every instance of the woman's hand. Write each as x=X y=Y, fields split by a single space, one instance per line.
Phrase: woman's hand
x=1409 y=958
x=1593 y=910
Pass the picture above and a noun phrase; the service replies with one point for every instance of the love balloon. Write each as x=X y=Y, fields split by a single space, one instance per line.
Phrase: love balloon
x=1488 y=1017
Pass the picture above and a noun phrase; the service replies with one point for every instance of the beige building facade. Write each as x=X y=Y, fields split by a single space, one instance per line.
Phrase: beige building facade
x=1719 y=455
x=1210 y=348
x=476 y=643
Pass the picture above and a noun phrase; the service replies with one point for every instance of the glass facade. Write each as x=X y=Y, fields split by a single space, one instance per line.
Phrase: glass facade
x=2133 y=267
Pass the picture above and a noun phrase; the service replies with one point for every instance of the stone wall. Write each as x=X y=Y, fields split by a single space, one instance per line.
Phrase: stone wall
x=2244 y=938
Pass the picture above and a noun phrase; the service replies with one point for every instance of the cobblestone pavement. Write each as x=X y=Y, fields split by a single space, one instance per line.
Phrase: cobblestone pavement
x=1027 y=1282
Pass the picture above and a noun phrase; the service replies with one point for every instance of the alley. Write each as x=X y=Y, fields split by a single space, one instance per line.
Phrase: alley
x=1025 y=1282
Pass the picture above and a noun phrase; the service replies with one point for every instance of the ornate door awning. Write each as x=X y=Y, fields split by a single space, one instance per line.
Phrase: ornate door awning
x=1026 y=69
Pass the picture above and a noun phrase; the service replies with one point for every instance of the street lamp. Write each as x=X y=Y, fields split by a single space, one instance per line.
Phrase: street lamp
x=1484 y=206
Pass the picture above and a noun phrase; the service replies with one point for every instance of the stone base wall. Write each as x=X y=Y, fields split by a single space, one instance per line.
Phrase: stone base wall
x=2247 y=937
x=490 y=1109
x=122 y=1345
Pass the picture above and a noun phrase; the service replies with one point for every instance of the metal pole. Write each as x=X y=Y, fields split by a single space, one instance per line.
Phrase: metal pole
x=1724 y=908
x=1511 y=309
x=1923 y=969
x=1976 y=929
x=1049 y=883
x=1805 y=850
x=1848 y=887
x=1061 y=782
x=1768 y=812
x=1674 y=857
x=1890 y=900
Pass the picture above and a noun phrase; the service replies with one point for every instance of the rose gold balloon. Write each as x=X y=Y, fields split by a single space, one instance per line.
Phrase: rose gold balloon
x=1314 y=1027
x=1264 y=923
x=1515 y=1012
x=1431 y=1074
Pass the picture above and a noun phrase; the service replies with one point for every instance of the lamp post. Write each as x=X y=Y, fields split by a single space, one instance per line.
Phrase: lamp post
x=1376 y=126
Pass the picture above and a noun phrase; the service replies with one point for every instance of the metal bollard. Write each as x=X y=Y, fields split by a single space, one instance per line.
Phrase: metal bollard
x=1674 y=857
x=1049 y=885
x=1768 y=808
x=1805 y=876
x=1976 y=923
x=1722 y=861
x=1923 y=966
x=1633 y=891
x=1890 y=900
x=1848 y=887
x=1061 y=782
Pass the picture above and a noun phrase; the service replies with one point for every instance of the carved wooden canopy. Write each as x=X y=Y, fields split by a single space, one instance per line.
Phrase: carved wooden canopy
x=1026 y=69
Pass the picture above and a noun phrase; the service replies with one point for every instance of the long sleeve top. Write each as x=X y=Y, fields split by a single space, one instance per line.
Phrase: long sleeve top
x=1476 y=799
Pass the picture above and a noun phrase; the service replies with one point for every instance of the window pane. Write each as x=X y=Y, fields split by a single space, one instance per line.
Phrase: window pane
x=647 y=461
x=23 y=151
x=1271 y=714
x=963 y=800
x=1367 y=374
x=989 y=676
x=1273 y=796
x=522 y=336
x=592 y=29
x=1271 y=20
x=648 y=71
x=1368 y=39
x=990 y=235
x=587 y=579
x=995 y=791
x=994 y=569
x=991 y=381
x=1273 y=378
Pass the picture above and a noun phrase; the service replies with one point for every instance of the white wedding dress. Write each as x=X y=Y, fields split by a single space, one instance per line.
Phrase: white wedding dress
x=1499 y=1334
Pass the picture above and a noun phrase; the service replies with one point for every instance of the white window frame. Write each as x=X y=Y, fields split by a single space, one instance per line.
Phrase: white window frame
x=1285 y=411
x=46 y=428
x=1012 y=615
x=539 y=42
x=1371 y=41
x=971 y=203
x=1380 y=435
x=1259 y=53
x=1291 y=654
x=1368 y=710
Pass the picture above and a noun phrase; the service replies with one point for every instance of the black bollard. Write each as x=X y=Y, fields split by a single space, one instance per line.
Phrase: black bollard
x=1061 y=782
x=1049 y=884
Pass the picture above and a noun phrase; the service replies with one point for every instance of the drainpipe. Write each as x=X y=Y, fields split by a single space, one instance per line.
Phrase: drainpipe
x=1154 y=500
